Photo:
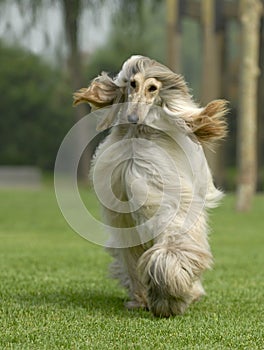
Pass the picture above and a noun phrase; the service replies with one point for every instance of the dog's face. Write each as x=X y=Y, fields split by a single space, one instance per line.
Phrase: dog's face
x=143 y=83
x=142 y=93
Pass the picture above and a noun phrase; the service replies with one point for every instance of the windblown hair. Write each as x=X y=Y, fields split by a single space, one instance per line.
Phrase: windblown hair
x=208 y=123
x=160 y=264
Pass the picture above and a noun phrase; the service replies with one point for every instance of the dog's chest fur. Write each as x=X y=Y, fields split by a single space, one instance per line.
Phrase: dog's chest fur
x=136 y=157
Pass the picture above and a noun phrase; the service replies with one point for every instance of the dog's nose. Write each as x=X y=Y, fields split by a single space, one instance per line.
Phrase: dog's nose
x=132 y=118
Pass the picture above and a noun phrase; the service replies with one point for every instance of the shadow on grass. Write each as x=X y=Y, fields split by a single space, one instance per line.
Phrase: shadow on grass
x=94 y=302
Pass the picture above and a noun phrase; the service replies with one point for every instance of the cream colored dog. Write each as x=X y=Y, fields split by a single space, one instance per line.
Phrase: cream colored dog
x=155 y=182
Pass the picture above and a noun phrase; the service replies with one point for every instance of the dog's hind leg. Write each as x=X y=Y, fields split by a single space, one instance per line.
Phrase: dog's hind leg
x=171 y=270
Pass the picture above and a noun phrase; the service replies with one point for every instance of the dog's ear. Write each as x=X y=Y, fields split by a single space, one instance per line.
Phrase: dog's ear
x=101 y=92
x=210 y=124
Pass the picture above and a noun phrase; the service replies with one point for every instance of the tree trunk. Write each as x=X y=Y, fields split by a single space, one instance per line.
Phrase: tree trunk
x=71 y=11
x=260 y=127
x=173 y=35
x=213 y=51
x=250 y=13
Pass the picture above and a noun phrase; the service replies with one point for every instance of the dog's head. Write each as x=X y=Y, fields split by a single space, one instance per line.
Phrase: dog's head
x=144 y=83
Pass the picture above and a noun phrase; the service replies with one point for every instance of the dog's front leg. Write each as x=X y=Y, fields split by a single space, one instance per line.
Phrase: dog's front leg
x=124 y=268
x=137 y=292
x=171 y=271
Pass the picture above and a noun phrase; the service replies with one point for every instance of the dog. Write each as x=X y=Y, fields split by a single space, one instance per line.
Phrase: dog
x=153 y=164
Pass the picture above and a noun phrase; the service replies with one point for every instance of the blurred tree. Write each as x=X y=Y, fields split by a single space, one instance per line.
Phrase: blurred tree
x=174 y=34
x=71 y=15
x=212 y=72
x=260 y=128
x=140 y=28
x=136 y=12
x=133 y=32
x=34 y=110
x=250 y=14
x=71 y=11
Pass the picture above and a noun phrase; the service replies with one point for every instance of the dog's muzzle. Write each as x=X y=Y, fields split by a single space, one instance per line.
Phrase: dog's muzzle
x=133 y=118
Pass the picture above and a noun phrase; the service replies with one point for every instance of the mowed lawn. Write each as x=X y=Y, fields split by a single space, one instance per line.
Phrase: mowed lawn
x=55 y=292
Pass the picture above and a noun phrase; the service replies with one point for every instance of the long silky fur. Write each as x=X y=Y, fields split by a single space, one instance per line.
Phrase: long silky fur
x=164 y=274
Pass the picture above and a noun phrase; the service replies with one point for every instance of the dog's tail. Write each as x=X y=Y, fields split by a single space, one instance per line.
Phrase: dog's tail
x=171 y=272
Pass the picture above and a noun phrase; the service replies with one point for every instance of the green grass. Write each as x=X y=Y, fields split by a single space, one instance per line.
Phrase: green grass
x=55 y=294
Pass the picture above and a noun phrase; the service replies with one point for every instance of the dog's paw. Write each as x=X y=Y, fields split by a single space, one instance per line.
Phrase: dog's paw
x=165 y=305
x=168 y=307
x=162 y=304
x=134 y=304
x=197 y=291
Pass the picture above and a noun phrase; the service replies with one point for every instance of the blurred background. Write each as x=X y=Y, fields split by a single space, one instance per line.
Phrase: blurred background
x=48 y=49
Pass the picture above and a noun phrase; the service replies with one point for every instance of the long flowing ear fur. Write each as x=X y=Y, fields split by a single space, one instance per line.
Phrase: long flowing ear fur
x=209 y=124
x=102 y=92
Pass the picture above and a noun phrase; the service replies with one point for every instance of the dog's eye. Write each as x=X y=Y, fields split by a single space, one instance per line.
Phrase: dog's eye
x=152 y=88
x=133 y=84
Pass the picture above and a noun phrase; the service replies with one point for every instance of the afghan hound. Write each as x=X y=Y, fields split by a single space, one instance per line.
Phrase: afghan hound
x=153 y=167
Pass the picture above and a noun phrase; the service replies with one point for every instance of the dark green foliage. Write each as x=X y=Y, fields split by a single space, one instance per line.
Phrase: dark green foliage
x=35 y=109
x=137 y=29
